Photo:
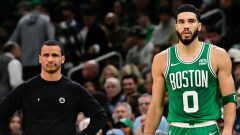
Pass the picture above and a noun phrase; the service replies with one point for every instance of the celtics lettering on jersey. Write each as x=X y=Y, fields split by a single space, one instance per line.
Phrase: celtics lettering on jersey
x=192 y=87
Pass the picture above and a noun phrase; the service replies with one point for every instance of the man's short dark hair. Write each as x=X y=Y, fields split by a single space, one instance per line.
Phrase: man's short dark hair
x=130 y=76
x=68 y=6
x=53 y=43
x=138 y=31
x=188 y=8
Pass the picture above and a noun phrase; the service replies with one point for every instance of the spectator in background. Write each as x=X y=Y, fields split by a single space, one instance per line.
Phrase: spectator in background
x=203 y=34
x=102 y=99
x=122 y=110
x=92 y=36
x=140 y=53
x=67 y=35
x=114 y=131
x=145 y=21
x=31 y=31
x=10 y=69
x=126 y=125
x=113 y=92
x=215 y=37
x=129 y=85
x=165 y=29
x=116 y=34
x=234 y=53
x=120 y=11
x=140 y=130
x=90 y=73
x=107 y=72
x=132 y=100
x=131 y=69
x=143 y=103
x=90 y=86
x=15 y=124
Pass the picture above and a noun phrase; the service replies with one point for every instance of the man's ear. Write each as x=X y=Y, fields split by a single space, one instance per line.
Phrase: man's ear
x=63 y=59
x=39 y=59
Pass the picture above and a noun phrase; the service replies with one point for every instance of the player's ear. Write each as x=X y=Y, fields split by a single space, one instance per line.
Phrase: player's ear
x=199 y=26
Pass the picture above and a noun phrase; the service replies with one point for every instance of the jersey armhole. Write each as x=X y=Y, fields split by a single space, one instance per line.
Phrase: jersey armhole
x=168 y=63
x=209 y=59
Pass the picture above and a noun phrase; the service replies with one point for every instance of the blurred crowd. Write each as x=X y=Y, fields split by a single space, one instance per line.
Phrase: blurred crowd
x=136 y=29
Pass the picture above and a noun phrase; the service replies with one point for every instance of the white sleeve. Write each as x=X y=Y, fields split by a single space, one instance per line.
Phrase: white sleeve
x=15 y=73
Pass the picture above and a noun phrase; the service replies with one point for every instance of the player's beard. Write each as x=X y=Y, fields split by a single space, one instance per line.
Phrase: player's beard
x=188 y=41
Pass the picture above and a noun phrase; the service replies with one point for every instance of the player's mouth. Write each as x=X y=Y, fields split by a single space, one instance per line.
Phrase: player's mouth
x=186 y=34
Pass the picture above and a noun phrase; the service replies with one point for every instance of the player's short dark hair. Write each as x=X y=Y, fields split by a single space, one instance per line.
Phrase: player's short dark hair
x=53 y=43
x=188 y=8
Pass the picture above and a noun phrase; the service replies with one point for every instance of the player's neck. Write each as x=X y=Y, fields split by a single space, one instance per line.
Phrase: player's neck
x=189 y=52
x=192 y=47
x=51 y=76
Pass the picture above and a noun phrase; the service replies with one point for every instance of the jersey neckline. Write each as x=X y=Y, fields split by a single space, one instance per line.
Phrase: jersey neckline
x=192 y=61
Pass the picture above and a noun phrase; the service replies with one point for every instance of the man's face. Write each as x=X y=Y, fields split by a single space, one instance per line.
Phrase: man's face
x=129 y=86
x=68 y=15
x=51 y=59
x=121 y=112
x=187 y=27
x=109 y=21
x=88 y=20
x=143 y=103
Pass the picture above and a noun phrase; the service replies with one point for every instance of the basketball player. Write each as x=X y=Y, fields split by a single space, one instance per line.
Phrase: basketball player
x=195 y=75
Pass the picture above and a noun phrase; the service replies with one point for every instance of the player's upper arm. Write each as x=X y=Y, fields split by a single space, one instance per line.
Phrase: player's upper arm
x=158 y=68
x=223 y=66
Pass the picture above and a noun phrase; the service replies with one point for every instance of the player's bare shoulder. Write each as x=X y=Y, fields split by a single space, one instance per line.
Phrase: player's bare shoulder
x=219 y=56
x=160 y=60
x=218 y=52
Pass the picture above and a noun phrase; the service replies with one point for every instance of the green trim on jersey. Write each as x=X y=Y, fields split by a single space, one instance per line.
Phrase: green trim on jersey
x=192 y=87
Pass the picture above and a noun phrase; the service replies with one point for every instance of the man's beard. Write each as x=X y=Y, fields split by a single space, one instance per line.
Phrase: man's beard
x=188 y=41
